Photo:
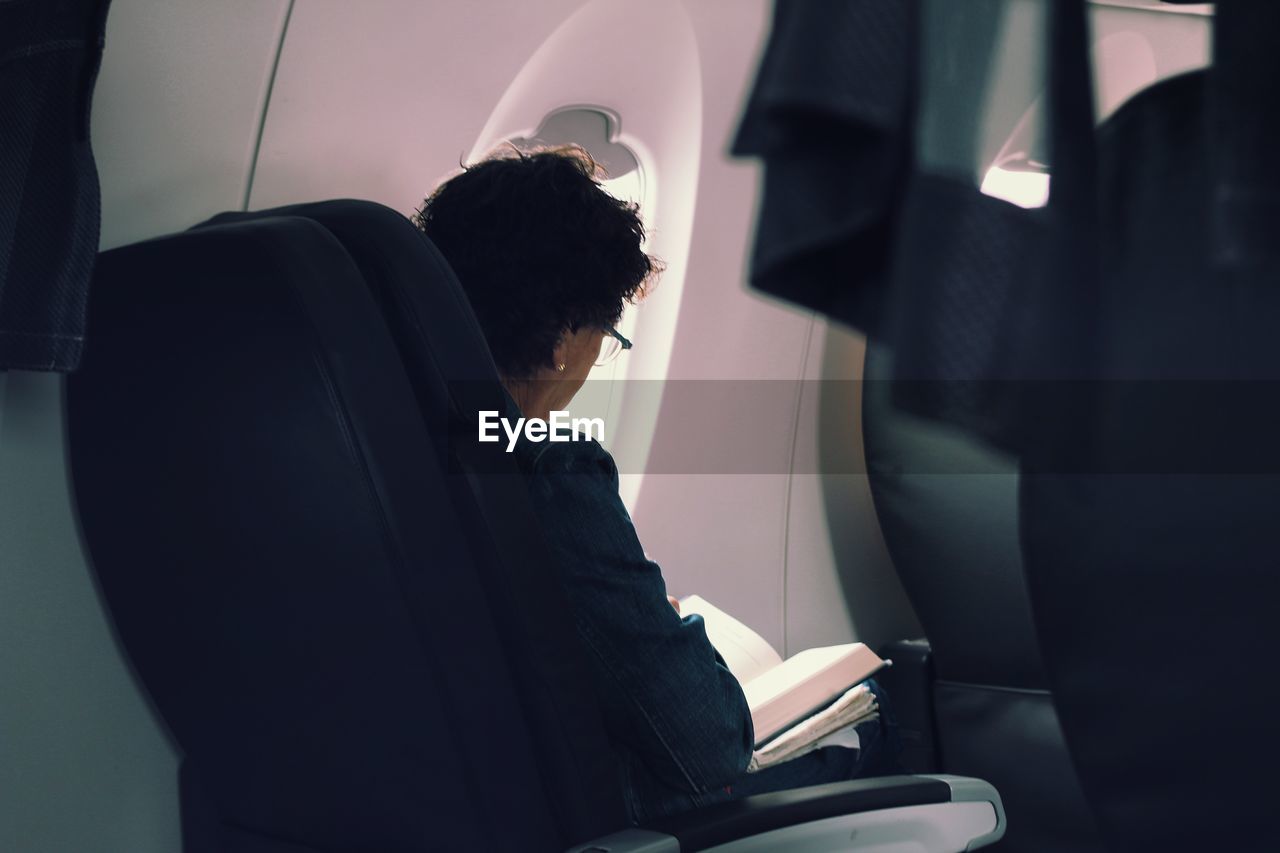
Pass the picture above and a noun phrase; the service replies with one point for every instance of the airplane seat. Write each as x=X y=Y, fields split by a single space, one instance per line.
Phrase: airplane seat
x=336 y=596
x=1150 y=537
x=273 y=531
x=948 y=508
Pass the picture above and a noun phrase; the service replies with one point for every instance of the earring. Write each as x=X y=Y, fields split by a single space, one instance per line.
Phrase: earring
x=560 y=367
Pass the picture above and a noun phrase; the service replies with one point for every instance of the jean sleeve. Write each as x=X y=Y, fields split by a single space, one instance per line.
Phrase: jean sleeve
x=665 y=691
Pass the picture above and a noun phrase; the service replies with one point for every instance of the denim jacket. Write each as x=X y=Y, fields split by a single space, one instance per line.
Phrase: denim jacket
x=676 y=715
x=674 y=711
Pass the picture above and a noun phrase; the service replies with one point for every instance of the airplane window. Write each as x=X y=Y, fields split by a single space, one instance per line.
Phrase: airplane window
x=596 y=129
x=1022 y=182
x=618 y=142
x=628 y=187
x=1131 y=52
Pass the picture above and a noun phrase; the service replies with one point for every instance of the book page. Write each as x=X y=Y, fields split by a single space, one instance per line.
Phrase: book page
x=744 y=651
x=805 y=683
x=832 y=726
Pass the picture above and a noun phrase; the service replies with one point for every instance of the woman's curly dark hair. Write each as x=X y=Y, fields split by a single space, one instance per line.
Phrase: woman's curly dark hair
x=539 y=247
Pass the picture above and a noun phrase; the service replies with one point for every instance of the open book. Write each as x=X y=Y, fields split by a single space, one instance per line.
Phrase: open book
x=797 y=702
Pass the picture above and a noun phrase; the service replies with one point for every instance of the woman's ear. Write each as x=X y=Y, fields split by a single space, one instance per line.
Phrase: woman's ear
x=560 y=355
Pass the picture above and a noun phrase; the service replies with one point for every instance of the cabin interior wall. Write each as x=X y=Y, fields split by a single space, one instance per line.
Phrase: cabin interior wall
x=758 y=542
x=382 y=100
x=177 y=109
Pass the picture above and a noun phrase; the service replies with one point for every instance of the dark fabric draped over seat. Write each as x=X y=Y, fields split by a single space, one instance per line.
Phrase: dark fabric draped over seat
x=1118 y=344
x=49 y=199
x=853 y=227
x=979 y=300
x=829 y=115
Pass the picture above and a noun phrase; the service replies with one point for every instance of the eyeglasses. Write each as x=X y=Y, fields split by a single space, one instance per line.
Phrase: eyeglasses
x=612 y=344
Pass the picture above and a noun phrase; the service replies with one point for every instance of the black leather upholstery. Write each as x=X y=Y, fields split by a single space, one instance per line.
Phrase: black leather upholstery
x=346 y=663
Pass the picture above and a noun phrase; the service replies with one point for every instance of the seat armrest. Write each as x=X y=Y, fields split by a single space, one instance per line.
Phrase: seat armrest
x=937 y=813
x=630 y=841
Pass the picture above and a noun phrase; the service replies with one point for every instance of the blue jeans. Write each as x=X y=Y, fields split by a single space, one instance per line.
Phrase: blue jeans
x=878 y=756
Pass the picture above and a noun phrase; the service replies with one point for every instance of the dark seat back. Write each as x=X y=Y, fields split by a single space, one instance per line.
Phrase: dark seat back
x=1151 y=536
x=948 y=508
x=320 y=601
